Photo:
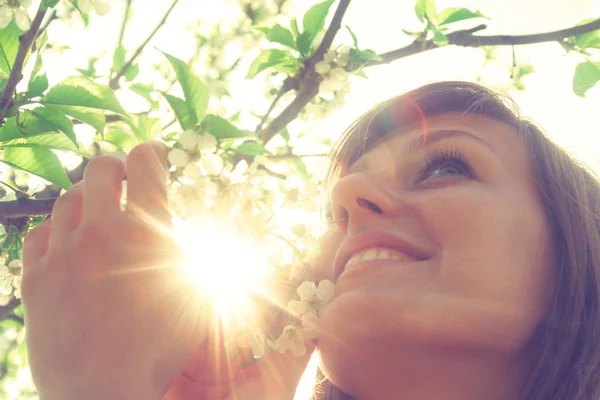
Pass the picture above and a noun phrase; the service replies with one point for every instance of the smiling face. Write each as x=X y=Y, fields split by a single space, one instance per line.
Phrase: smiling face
x=472 y=275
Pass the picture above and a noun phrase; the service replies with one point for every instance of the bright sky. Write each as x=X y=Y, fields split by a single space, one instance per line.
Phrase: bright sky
x=571 y=121
x=549 y=100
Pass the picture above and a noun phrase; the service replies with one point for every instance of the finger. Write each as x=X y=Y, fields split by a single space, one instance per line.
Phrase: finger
x=66 y=213
x=147 y=168
x=36 y=244
x=102 y=188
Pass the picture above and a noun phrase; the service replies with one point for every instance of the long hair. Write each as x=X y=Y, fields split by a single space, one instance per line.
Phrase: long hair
x=566 y=345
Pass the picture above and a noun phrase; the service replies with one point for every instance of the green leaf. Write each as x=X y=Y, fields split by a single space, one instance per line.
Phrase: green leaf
x=294 y=27
x=41 y=44
x=359 y=56
x=300 y=166
x=251 y=149
x=587 y=74
x=147 y=128
x=46 y=4
x=279 y=34
x=37 y=161
x=121 y=139
x=9 y=45
x=588 y=40
x=145 y=91
x=132 y=72
x=440 y=39
x=90 y=72
x=118 y=58
x=37 y=86
x=55 y=141
x=81 y=92
x=281 y=60
x=93 y=117
x=361 y=72
x=314 y=19
x=221 y=128
x=195 y=91
x=285 y=134
x=186 y=119
x=303 y=42
x=354 y=38
x=425 y=10
x=58 y=120
x=455 y=14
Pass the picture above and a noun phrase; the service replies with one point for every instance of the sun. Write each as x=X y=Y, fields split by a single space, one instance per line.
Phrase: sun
x=222 y=264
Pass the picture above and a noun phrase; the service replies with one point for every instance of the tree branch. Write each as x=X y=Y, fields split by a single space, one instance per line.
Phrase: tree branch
x=465 y=38
x=7 y=310
x=309 y=79
x=25 y=206
x=16 y=74
x=114 y=82
x=47 y=23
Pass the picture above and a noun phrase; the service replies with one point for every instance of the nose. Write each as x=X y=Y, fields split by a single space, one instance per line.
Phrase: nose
x=358 y=198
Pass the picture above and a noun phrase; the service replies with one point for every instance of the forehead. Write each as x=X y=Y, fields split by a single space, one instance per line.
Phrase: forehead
x=495 y=137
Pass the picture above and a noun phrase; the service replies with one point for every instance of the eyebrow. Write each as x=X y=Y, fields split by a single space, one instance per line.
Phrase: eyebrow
x=435 y=136
x=428 y=138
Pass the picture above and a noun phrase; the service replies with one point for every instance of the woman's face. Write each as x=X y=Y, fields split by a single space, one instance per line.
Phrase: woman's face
x=449 y=254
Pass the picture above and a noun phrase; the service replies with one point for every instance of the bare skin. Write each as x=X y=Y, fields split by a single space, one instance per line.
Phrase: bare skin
x=456 y=324
x=102 y=319
x=453 y=327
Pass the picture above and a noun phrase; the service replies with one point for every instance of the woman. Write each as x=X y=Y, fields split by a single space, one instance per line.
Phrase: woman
x=465 y=249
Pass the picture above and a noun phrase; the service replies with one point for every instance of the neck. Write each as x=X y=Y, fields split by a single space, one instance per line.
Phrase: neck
x=435 y=376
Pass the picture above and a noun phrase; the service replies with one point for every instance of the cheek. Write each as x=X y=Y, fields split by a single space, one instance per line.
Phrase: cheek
x=329 y=244
x=494 y=273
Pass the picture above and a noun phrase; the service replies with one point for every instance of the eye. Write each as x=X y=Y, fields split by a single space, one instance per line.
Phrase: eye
x=445 y=162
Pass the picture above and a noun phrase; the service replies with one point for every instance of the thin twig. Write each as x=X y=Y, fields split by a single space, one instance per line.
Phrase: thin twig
x=310 y=78
x=114 y=82
x=47 y=23
x=288 y=85
x=16 y=74
x=123 y=27
x=463 y=38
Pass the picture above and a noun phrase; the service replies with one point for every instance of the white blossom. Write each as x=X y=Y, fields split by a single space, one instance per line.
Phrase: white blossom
x=313 y=299
x=16 y=9
x=178 y=157
x=293 y=338
x=192 y=171
x=207 y=143
x=322 y=67
x=189 y=140
x=333 y=80
x=342 y=55
x=10 y=278
x=100 y=6
x=212 y=164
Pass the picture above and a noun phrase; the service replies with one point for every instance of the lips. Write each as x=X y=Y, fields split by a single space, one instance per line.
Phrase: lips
x=376 y=239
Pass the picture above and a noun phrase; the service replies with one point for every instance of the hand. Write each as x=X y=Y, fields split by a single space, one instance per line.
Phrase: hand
x=209 y=376
x=106 y=315
x=213 y=375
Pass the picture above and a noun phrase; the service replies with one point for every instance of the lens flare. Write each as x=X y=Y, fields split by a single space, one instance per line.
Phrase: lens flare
x=222 y=264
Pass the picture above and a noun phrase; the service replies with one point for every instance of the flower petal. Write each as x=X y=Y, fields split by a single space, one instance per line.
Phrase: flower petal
x=307 y=290
x=325 y=291
x=296 y=307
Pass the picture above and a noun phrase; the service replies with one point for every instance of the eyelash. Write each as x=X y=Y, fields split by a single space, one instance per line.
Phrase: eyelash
x=436 y=159
x=444 y=157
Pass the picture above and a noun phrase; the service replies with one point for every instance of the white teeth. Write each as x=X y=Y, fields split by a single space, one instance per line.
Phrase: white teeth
x=377 y=254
